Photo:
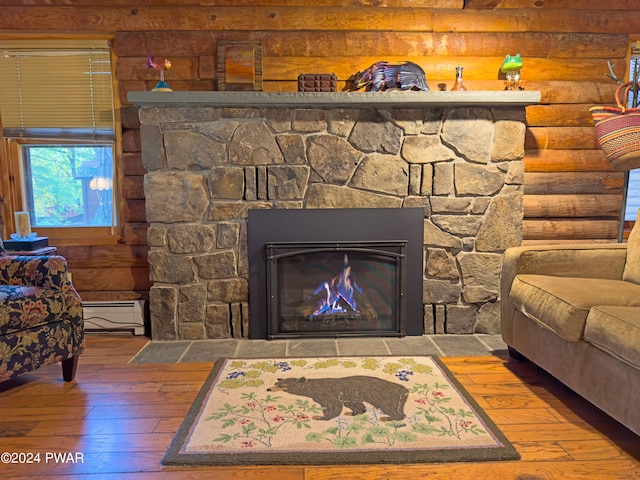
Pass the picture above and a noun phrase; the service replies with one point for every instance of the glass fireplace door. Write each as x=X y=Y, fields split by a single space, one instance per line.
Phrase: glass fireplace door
x=331 y=290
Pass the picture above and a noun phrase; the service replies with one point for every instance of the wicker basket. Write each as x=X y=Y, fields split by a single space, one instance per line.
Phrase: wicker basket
x=618 y=132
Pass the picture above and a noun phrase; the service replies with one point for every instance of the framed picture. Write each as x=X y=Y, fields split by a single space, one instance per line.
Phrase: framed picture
x=239 y=66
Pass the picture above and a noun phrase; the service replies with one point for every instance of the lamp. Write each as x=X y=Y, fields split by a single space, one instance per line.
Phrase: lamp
x=100 y=183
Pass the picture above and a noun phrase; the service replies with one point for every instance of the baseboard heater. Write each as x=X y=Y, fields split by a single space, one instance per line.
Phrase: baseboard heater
x=114 y=316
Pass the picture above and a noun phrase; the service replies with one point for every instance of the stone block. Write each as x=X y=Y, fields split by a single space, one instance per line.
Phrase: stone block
x=191 y=238
x=217 y=323
x=228 y=234
x=226 y=183
x=163 y=303
x=216 y=265
x=461 y=319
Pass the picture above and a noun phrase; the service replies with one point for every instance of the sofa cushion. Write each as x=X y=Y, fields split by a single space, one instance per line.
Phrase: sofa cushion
x=632 y=265
x=563 y=303
x=615 y=330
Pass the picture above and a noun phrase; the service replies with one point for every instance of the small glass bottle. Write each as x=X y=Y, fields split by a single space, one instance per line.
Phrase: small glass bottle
x=458 y=86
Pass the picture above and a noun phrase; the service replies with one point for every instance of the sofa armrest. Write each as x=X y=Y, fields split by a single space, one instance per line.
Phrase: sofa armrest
x=605 y=261
x=46 y=271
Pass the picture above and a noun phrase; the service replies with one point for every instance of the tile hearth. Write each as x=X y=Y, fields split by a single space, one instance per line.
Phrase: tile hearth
x=209 y=350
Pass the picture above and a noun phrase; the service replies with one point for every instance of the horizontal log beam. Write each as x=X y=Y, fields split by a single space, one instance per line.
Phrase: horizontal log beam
x=571 y=206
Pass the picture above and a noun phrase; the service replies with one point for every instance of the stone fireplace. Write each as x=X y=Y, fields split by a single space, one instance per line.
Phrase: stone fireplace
x=211 y=157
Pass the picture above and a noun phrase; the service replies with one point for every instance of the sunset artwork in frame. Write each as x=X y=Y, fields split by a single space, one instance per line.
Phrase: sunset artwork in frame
x=239 y=66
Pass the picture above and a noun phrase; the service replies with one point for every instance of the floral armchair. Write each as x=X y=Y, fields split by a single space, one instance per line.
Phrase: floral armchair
x=40 y=316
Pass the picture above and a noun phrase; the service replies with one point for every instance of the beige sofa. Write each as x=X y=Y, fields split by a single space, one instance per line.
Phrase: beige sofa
x=575 y=312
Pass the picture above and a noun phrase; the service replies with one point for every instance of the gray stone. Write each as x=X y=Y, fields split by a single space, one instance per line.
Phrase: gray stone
x=440 y=291
x=373 y=134
x=157 y=236
x=171 y=115
x=253 y=144
x=191 y=303
x=153 y=155
x=175 y=197
x=480 y=269
x=462 y=129
x=415 y=179
x=429 y=321
x=473 y=179
x=167 y=268
x=332 y=158
x=188 y=150
x=441 y=264
x=226 y=183
x=227 y=210
x=434 y=236
x=410 y=120
x=341 y=121
x=461 y=319
x=460 y=225
x=488 y=319
x=228 y=235
x=228 y=290
x=279 y=118
x=331 y=196
x=216 y=265
x=478 y=294
x=508 y=143
x=451 y=204
x=163 y=302
x=515 y=173
x=479 y=205
x=441 y=319
x=189 y=238
x=261 y=180
x=250 y=184
x=502 y=225
x=287 y=182
x=418 y=202
x=236 y=320
x=426 y=150
x=222 y=130
x=292 y=147
x=382 y=173
x=432 y=121
x=217 y=323
x=427 y=180
x=191 y=331
x=443 y=179
x=309 y=120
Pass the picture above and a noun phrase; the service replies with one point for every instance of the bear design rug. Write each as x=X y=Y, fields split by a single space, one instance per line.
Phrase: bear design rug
x=334 y=411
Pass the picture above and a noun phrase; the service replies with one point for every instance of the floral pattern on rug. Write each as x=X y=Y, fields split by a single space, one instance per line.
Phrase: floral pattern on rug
x=334 y=404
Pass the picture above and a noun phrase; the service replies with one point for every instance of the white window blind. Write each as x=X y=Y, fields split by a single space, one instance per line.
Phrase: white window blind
x=56 y=88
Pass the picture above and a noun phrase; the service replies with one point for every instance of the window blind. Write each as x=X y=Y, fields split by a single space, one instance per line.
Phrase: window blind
x=56 y=88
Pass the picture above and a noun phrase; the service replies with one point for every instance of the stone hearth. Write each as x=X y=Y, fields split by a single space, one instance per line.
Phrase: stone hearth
x=212 y=157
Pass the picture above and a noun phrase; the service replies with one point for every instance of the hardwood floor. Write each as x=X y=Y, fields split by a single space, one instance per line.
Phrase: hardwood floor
x=116 y=420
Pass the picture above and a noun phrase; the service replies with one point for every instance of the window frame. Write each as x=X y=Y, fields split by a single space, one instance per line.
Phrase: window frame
x=12 y=180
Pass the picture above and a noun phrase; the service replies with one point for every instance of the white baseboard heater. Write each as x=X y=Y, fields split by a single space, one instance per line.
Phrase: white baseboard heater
x=114 y=316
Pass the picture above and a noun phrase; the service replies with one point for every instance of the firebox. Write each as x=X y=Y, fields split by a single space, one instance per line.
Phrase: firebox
x=335 y=272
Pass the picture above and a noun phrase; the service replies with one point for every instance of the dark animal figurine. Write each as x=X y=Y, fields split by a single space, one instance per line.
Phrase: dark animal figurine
x=385 y=75
x=332 y=393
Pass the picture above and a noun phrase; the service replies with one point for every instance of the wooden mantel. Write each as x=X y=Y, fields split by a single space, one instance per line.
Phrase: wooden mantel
x=388 y=99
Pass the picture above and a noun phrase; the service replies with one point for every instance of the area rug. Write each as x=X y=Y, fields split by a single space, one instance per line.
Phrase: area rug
x=339 y=410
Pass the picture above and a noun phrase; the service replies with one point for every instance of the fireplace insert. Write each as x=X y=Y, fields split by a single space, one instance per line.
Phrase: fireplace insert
x=333 y=273
x=335 y=288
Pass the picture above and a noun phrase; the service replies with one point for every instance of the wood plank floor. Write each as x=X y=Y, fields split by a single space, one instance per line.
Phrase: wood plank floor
x=117 y=419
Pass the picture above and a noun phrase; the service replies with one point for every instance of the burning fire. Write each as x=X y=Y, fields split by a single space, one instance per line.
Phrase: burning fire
x=339 y=295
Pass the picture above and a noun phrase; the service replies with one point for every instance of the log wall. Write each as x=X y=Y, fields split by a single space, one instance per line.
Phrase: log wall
x=570 y=193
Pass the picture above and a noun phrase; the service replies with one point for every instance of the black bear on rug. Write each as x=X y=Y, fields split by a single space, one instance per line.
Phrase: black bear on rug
x=332 y=393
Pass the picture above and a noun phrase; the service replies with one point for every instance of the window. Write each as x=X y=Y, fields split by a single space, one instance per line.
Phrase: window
x=633 y=190
x=58 y=128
